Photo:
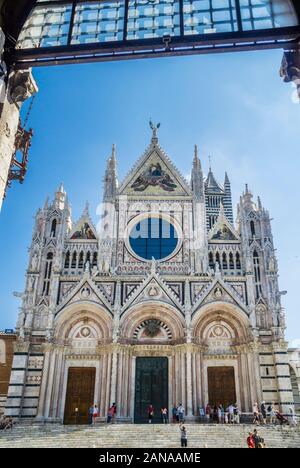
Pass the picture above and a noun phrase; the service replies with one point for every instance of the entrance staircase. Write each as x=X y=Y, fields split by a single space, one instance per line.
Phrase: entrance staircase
x=144 y=436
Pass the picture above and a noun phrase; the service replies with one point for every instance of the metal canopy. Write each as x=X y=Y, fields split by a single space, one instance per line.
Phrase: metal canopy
x=75 y=31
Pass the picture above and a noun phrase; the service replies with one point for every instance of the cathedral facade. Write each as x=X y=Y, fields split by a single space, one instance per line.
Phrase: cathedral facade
x=167 y=301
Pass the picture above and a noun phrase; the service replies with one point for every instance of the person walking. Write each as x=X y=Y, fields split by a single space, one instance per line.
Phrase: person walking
x=255 y=414
x=250 y=441
x=181 y=412
x=150 y=413
x=164 y=413
x=263 y=412
x=183 y=436
x=95 y=413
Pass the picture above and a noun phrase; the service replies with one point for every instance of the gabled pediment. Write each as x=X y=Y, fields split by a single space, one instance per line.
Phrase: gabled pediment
x=153 y=288
x=154 y=174
x=222 y=230
x=85 y=291
x=219 y=291
x=84 y=229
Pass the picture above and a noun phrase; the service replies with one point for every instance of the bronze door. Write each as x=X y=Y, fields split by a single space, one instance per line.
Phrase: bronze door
x=221 y=386
x=151 y=387
x=80 y=394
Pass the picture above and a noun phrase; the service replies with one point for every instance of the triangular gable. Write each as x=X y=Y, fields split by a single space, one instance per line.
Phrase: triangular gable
x=84 y=229
x=155 y=174
x=223 y=231
x=217 y=291
x=86 y=290
x=155 y=289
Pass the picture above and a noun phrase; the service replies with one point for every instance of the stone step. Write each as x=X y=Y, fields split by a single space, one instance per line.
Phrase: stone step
x=144 y=436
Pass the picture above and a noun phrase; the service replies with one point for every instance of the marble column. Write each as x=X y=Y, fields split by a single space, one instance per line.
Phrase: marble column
x=189 y=389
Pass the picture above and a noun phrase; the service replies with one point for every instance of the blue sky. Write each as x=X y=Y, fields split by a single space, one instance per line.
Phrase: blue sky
x=234 y=106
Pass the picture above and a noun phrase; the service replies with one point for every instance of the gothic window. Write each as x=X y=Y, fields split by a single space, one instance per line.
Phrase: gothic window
x=252 y=227
x=238 y=261
x=47 y=276
x=231 y=261
x=95 y=259
x=224 y=261
x=74 y=260
x=211 y=260
x=88 y=257
x=257 y=275
x=218 y=259
x=80 y=261
x=53 y=228
x=67 y=260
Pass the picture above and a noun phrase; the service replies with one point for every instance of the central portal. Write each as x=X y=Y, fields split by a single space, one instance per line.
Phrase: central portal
x=151 y=387
x=80 y=394
x=221 y=386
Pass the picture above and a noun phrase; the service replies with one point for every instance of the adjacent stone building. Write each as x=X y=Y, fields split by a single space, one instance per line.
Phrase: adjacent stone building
x=7 y=340
x=168 y=301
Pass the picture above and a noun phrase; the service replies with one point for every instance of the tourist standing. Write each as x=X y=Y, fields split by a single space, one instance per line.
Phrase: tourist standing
x=150 y=413
x=95 y=413
x=183 y=436
x=207 y=412
x=220 y=414
x=91 y=411
x=114 y=411
x=174 y=414
x=181 y=412
x=164 y=413
x=236 y=412
x=110 y=414
x=231 y=413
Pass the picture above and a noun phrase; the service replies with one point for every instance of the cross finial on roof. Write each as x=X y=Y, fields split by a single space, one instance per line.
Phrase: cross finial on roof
x=209 y=158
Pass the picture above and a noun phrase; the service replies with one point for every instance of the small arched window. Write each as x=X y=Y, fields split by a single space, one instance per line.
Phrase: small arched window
x=211 y=260
x=80 y=261
x=53 y=228
x=238 y=261
x=95 y=259
x=231 y=261
x=74 y=260
x=252 y=227
x=67 y=260
x=224 y=261
x=218 y=259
